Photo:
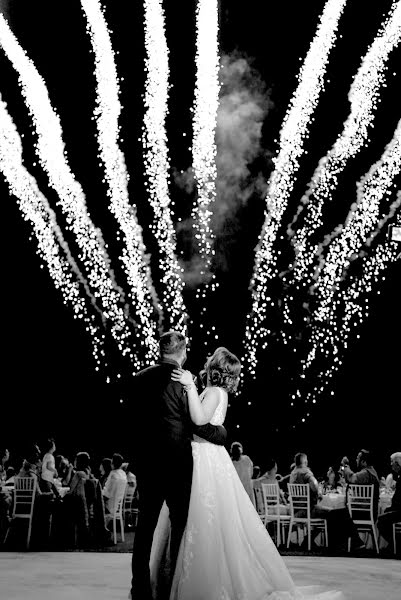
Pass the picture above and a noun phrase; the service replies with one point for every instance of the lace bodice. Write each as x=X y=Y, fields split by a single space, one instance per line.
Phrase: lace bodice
x=221 y=409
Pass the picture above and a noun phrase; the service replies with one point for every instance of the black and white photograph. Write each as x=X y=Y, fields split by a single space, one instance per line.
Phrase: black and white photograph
x=201 y=299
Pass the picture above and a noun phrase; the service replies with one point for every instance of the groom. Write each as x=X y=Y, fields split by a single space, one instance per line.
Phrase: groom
x=161 y=430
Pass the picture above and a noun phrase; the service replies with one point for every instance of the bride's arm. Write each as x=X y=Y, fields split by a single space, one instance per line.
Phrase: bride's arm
x=201 y=412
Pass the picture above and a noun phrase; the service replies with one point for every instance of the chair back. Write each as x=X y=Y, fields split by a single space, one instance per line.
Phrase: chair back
x=119 y=496
x=24 y=496
x=271 y=498
x=129 y=497
x=360 y=500
x=259 y=501
x=299 y=494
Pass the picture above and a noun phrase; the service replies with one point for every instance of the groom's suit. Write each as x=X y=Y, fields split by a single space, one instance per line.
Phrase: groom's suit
x=161 y=432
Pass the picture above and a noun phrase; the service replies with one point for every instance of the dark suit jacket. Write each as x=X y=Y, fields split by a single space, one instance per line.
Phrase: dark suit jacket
x=162 y=425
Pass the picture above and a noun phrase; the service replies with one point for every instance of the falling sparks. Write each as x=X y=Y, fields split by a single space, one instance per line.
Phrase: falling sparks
x=360 y=223
x=50 y=150
x=352 y=302
x=364 y=97
x=204 y=144
x=293 y=133
x=106 y=114
x=342 y=300
x=157 y=163
x=35 y=209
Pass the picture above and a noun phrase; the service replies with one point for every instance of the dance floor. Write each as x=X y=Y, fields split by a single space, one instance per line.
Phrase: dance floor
x=105 y=576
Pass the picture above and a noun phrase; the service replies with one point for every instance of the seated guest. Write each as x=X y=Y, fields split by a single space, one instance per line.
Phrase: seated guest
x=110 y=489
x=82 y=471
x=30 y=468
x=302 y=474
x=365 y=476
x=83 y=506
x=332 y=480
x=5 y=497
x=256 y=472
x=270 y=476
x=10 y=474
x=392 y=514
x=64 y=469
x=391 y=480
x=284 y=479
x=104 y=470
x=131 y=478
x=44 y=500
x=4 y=458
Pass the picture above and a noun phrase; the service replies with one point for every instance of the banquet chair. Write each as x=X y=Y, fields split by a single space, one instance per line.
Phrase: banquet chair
x=396 y=529
x=128 y=506
x=24 y=500
x=299 y=494
x=117 y=514
x=360 y=507
x=260 y=504
x=271 y=499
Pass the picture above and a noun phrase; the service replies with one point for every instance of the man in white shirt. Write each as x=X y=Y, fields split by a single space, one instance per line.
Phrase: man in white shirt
x=110 y=489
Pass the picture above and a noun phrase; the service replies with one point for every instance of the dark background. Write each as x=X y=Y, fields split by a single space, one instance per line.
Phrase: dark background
x=49 y=382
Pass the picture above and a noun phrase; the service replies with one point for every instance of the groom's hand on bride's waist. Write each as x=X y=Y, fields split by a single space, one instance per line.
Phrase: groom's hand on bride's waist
x=216 y=434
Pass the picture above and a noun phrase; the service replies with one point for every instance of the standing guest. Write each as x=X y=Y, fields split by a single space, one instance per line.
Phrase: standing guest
x=4 y=458
x=244 y=468
x=104 y=470
x=49 y=473
x=392 y=514
x=365 y=476
x=110 y=489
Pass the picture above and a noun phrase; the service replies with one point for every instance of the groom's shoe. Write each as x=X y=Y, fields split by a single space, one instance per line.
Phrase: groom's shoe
x=135 y=597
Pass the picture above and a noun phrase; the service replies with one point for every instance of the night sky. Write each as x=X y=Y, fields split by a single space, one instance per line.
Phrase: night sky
x=49 y=382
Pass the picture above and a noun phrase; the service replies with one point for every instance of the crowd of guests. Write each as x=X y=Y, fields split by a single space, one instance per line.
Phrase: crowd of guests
x=88 y=499
x=336 y=480
x=53 y=471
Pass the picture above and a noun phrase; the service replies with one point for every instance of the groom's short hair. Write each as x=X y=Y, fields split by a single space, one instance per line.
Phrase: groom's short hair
x=172 y=343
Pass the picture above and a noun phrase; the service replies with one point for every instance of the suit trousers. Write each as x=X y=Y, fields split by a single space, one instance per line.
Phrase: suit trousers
x=173 y=487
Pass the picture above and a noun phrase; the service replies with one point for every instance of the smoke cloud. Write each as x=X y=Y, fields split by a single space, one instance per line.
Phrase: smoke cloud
x=4 y=7
x=241 y=159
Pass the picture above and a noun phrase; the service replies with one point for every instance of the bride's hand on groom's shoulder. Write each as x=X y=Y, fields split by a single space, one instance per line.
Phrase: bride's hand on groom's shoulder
x=184 y=377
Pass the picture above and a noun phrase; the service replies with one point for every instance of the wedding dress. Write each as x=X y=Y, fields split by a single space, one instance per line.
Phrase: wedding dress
x=226 y=552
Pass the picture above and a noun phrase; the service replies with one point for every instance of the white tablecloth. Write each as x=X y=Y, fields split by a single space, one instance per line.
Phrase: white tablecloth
x=333 y=501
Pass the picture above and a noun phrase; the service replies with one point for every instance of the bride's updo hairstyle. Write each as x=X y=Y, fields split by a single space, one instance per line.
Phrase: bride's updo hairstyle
x=223 y=369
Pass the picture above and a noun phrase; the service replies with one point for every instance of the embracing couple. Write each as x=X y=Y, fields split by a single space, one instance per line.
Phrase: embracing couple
x=197 y=529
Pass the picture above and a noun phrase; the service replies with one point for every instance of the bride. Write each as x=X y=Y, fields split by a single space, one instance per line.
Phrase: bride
x=226 y=552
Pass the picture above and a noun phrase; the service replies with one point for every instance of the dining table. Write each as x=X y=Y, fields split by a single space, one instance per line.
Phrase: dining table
x=336 y=500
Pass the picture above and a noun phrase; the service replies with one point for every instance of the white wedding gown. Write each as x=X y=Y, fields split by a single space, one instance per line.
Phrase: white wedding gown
x=226 y=552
